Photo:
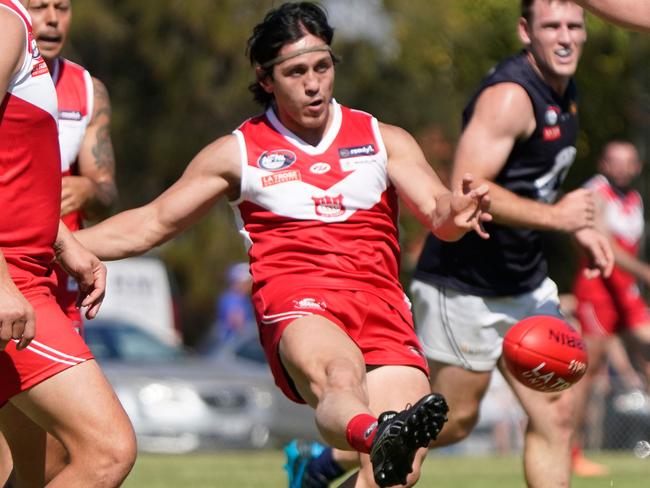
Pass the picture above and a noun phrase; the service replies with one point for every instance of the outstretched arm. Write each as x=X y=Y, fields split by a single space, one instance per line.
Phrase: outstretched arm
x=93 y=190
x=449 y=214
x=212 y=173
x=634 y=14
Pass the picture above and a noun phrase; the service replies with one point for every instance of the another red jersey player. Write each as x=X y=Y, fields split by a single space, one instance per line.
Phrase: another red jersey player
x=48 y=379
x=614 y=305
x=314 y=186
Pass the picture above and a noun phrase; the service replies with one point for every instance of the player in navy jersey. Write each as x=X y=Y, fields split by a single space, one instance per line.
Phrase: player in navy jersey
x=519 y=136
x=314 y=185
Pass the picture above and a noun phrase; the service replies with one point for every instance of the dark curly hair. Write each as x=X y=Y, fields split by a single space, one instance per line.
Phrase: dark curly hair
x=284 y=24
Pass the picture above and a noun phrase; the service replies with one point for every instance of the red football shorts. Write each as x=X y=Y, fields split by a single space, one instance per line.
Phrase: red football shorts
x=607 y=307
x=383 y=331
x=56 y=347
x=67 y=293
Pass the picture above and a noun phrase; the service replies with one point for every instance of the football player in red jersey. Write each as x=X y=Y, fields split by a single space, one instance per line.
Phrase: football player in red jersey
x=611 y=306
x=87 y=160
x=314 y=185
x=48 y=375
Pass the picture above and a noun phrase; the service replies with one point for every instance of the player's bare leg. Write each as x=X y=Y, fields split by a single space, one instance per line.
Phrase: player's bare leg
x=597 y=348
x=27 y=443
x=413 y=386
x=6 y=463
x=79 y=408
x=463 y=391
x=329 y=372
x=547 y=441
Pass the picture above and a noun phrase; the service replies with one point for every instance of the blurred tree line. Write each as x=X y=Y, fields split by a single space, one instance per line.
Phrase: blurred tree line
x=177 y=74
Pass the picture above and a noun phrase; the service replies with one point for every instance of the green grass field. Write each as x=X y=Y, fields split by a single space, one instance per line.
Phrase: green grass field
x=263 y=469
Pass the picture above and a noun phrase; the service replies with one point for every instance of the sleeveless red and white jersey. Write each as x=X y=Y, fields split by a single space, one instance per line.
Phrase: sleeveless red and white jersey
x=322 y=215
x=74 y=91
x=30 y=167
x=623 y=213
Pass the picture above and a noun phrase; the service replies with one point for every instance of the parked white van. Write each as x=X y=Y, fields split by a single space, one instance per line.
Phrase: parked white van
x=138 y=291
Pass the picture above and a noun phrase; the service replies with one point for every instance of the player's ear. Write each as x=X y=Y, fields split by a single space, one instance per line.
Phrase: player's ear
x=522 y=31
x=265 y=79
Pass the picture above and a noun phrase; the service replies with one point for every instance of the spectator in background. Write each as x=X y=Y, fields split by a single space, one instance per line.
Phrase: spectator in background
x=614 y=305
x=234 y=315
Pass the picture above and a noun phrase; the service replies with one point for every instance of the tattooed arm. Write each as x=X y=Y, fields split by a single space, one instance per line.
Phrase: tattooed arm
x=93 y=190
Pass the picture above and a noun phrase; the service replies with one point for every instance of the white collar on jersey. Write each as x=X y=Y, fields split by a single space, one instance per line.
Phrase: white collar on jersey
x=326 y=141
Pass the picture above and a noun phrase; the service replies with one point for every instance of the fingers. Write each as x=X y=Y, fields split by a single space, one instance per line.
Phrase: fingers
x=21 y=330
x=466 y=182
x=28 y=333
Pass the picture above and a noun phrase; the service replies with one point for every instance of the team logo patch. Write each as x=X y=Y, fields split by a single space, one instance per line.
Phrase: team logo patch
x=552 y=115
x=276 y=159
x=320 y=168
x=309 y=304
x=281 y=177
x=350 y=152
x=329 y=206
x=74 y=115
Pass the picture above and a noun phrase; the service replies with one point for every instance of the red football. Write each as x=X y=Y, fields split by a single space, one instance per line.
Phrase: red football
x=545 y=353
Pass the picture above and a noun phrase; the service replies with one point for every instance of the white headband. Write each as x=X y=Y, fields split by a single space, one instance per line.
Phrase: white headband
x=293 y=54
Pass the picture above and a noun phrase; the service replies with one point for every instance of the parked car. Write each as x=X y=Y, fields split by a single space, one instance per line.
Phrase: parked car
x=180 y=403
x=243 y=357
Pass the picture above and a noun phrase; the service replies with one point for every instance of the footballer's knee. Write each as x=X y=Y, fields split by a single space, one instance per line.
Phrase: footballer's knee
x=461 y=421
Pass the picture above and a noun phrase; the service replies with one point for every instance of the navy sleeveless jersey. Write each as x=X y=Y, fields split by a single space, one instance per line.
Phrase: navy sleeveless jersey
x=512 y=261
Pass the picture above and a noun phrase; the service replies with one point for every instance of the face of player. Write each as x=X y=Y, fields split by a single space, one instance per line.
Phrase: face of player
x=50 y=22
x=621 y=164
x=554 y=38
x=302 y=88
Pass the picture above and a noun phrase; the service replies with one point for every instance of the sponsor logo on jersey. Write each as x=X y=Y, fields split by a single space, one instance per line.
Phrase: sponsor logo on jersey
x=320 y=168
x=350 y=152
x=328 y=206
x=309 y=304
x=276 y=159
x=551 y=133
x=552 y=115
x=350 y=164
x=281 y=177
x=70 y=115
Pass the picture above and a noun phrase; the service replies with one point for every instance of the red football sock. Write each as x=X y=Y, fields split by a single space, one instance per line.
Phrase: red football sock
x=576 y=451
x=361 y=431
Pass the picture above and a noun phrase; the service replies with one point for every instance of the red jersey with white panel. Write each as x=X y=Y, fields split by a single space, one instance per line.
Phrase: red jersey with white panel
x=617 y=297
x=322 y=216
x=74 y=91
x=75 y=94
x=30 y=167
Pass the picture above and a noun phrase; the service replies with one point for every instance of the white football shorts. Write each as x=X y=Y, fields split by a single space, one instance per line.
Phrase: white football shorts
x=467 y=330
